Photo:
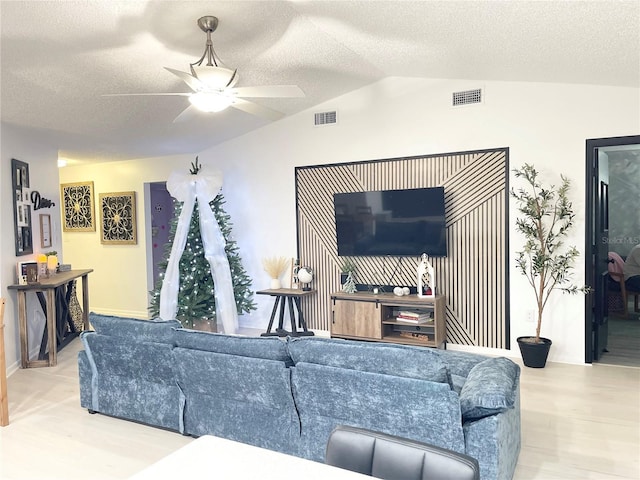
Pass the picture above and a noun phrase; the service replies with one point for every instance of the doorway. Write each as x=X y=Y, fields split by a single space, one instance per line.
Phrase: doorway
x=159 y=214
x=612 y=225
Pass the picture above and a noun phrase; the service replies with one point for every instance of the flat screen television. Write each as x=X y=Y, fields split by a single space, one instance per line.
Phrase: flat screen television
x=406 y=222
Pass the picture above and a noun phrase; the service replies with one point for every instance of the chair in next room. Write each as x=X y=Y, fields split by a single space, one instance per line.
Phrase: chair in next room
x=615 y=266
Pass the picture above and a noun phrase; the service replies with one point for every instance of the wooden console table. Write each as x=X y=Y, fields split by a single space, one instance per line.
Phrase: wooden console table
x=292 y=297
x=51 y=290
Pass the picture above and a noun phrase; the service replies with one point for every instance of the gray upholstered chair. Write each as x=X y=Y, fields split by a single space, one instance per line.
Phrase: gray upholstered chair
x=393 y=458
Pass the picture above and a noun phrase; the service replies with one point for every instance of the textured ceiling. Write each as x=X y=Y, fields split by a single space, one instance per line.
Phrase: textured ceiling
x=58 y=58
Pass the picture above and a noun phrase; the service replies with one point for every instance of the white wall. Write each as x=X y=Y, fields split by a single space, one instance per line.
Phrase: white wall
x=543 y=124
x=31 y=147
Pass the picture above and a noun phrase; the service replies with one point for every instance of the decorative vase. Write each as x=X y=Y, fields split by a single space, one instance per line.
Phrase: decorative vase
x=534 y=354
x=275 y=284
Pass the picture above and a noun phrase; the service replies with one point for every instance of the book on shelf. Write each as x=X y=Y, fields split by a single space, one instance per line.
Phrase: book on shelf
x=413 y=318
x=415 y=314
x=410 y=312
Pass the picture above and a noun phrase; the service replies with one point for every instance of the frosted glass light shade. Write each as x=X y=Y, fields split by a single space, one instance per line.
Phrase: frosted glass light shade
x=215 y=78
x=209 y=102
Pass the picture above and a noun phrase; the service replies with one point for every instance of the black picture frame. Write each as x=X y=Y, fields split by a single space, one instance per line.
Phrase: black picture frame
x=21 y=208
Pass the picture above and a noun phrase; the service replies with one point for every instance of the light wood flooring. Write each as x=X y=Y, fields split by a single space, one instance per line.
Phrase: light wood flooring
x=578 y=422
x=623 y=342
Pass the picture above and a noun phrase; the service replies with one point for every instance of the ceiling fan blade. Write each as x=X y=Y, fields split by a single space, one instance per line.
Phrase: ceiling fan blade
x=187 y=114
x=190 y=80
x=255 y=109
x=145 y=94
x=282 y=91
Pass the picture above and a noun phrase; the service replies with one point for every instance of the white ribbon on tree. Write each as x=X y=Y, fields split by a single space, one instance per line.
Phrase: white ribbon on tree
x=188 y=189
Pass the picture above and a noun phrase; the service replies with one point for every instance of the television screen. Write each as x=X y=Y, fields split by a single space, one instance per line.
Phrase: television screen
x=391 y=222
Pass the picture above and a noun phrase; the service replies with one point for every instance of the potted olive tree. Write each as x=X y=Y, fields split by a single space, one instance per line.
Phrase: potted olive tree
x=546 y=216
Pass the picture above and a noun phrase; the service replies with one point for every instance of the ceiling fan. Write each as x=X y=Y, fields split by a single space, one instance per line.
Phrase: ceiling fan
x=214 y=87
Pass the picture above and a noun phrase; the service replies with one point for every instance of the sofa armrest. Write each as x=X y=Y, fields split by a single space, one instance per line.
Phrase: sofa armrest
x=85 y=375
x=495 y=442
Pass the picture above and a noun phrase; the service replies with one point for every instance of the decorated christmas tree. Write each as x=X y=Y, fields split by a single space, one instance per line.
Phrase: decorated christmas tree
x=196 y=302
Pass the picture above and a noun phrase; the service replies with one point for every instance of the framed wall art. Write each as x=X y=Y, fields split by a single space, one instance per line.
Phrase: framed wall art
x=118 y=218
x=45 y=230
x=27 y=272
x=77 y=207
x=21 y=208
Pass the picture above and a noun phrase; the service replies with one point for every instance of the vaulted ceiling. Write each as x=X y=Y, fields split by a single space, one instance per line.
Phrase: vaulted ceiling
x=58 y=58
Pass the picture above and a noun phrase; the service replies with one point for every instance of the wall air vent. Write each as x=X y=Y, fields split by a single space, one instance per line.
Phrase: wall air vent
x=467 y=97
x=325 y=118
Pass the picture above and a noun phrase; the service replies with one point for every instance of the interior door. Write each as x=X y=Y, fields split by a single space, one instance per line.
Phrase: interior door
x=597 y=241
x=600 y=260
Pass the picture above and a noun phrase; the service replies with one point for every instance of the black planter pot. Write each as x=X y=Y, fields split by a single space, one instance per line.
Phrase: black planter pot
x=534 y=355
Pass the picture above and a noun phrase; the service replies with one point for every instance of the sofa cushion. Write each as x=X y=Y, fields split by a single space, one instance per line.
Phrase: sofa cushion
x=457 y=382
x=408 y=407
x=398 y=360
x=241 y=398
x=270 y=348
x=460 y=363
x=490 y=388
x=128 y=378
x=155 y=331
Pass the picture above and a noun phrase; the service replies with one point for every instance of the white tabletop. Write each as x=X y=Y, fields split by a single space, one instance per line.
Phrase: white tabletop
x=217 y=458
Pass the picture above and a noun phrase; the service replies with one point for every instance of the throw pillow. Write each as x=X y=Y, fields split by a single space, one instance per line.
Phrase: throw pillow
x=490 y=388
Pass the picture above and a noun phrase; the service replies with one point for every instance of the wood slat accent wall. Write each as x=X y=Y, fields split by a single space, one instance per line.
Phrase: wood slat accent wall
x=474 y=275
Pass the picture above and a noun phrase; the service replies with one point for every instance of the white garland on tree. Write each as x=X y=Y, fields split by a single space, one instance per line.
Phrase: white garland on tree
x=189 y=188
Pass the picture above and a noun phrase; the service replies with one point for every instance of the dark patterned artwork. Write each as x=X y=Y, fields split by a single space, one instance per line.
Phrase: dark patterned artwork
x=77 y=204
x=118 y=218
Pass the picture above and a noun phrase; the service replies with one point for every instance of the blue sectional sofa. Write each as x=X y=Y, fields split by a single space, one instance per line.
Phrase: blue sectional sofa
x=288 y=395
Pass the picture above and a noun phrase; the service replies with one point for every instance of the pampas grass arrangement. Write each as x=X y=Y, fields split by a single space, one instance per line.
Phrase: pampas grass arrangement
x=275 y=267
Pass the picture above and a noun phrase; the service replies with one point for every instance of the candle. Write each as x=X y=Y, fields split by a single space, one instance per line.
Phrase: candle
x=42 y=265
x=52 y=263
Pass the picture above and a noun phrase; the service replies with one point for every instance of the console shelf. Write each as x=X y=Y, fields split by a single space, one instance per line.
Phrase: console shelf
x=373 y=317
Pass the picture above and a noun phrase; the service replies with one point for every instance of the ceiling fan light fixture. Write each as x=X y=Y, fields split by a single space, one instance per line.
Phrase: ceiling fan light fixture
x=215 y=78
x=210 y=102
x=213 y=85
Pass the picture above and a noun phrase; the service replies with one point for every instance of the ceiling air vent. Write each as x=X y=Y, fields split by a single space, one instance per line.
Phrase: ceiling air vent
x=467 y=97
x=325 y=118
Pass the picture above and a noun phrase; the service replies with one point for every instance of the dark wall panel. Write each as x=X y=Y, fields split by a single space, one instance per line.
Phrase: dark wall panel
x=474 y=275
